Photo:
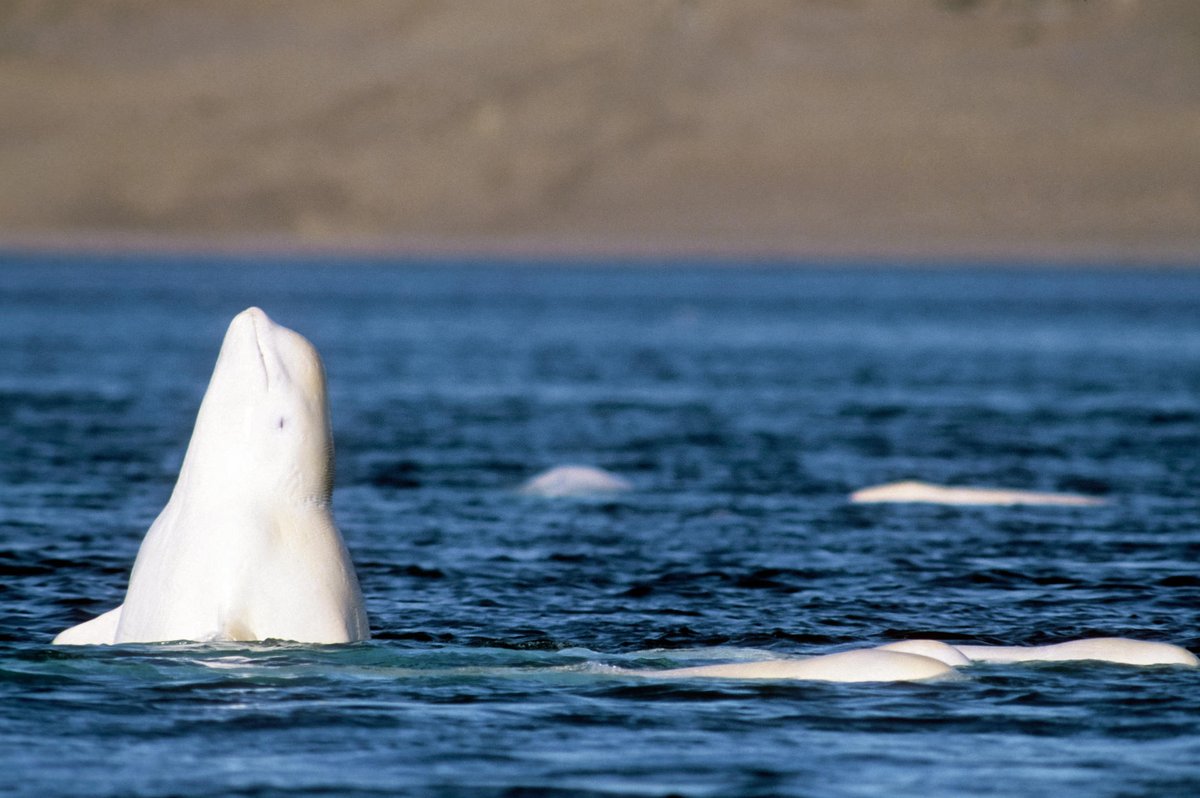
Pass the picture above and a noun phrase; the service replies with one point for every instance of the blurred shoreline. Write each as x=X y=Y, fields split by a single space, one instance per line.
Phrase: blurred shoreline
x=1058 y=131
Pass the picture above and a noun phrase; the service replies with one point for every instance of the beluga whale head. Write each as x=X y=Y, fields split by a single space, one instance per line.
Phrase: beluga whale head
x=264 y=419
x=246 y=548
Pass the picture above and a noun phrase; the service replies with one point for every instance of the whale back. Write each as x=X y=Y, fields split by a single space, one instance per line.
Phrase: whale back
x=926 y=493
x=860 y=665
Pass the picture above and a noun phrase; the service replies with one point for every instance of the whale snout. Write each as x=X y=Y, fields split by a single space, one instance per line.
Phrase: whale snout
x=249 y=322
x=253 y=313
x=248 y=343
x=281 y=356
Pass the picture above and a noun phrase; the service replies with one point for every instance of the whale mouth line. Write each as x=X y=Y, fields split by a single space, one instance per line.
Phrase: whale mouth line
x=262 y=358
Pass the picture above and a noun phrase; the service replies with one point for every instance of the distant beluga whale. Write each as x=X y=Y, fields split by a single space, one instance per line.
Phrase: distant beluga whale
x=575 y=480
x=926 y=493
x=246 y=548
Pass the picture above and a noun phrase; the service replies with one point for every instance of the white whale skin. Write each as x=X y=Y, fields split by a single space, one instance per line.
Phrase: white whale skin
x=860 y=665
x=575 y=480
x=931 y=660
x=1101 y=649
x=934 y=649
x=926 y=493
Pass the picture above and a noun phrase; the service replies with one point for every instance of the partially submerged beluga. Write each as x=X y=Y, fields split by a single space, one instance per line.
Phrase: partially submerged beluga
x=246 y=548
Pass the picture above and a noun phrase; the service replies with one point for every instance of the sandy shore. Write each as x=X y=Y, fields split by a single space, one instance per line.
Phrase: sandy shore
x=947 y=130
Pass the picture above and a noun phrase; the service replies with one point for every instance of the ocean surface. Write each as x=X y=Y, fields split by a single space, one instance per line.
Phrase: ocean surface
x=743 y=404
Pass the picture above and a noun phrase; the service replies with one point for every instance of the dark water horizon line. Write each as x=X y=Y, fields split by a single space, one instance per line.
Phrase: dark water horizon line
x=590 y=251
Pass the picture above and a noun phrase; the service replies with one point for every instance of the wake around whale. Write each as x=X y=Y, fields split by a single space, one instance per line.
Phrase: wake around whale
x=246 y=548
x=925 y=493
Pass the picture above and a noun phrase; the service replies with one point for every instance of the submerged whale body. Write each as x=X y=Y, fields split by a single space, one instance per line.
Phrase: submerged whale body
x=575 y=480
x=1119 y=650
x=932 y=660
x=246 y=548
x=927 y=493
x=860 y=665
x=1100 y=649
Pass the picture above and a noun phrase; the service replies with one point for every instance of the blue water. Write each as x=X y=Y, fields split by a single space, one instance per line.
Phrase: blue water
x=743 y=404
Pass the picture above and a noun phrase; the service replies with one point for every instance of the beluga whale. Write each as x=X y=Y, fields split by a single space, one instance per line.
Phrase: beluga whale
x=913 y=492
x=246 y=548
x=930 y=660
x=575 y=480
x=858 y=665
x=923 y=660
